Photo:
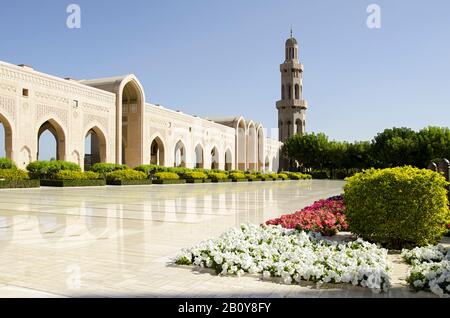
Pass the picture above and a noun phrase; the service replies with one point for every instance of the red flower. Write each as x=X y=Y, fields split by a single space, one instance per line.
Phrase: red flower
x=324 y=216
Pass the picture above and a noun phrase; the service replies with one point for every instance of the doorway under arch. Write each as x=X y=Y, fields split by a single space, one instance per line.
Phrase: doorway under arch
x=228 y=160
x=94 y=148
x=157 y=152
x=241 y=145
x=51 y=141
x=199 y=162
x=215 y=158
x=180 y=155
x=5 y=138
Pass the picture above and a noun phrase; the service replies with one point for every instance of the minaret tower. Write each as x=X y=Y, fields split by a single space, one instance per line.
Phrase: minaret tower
x=291 y=108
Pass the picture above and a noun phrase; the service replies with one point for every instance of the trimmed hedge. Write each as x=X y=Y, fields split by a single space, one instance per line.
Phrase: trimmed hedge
x=125 y=175
x=11 y=184
x=129 y=182
x=217 y=176
x=194 y=176
x=283 y=176
x=77 y=175
x=104 y=168
x=166 y=176
x=72 y=183
x=297 y=175
x=49 y=169
x=13 y=175
x=151 y=169
x=6 y=163
x=398 y=207
x=235 y=176
x=169 y=181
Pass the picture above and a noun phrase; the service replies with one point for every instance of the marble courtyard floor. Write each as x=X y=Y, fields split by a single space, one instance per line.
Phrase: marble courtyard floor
x=119 y=241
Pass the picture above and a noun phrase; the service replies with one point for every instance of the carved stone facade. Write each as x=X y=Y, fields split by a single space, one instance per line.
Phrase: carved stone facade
x=127 y=129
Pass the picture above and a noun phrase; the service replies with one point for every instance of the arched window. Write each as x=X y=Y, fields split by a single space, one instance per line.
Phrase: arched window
x=298 y=124
x=297 y=91
x=214 y=158
x=289 y=87
x=283 y=96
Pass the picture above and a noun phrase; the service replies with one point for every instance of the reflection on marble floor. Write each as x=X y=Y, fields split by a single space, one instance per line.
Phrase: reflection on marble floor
x=117 y=241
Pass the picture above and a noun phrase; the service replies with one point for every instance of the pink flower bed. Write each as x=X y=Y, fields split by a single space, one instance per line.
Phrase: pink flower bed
x=324 y=216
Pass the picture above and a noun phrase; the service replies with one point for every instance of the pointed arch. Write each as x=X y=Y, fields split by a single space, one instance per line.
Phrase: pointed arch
x=241 y=144
x=297 y=91
x=7 y=136
x=95 y=147
x=199 y=157
x=261 y=147
x=52 y=125
x=180 y=154
x=157 y=151
x=228 y=160
x=215 y=158
x=251 y=146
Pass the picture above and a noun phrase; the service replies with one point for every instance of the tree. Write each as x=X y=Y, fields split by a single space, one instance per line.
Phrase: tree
x=434 y=142
x=309 y=150
x=395 y=147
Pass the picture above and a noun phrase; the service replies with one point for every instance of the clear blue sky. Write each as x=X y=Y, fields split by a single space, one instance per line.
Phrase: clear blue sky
x=222 y=57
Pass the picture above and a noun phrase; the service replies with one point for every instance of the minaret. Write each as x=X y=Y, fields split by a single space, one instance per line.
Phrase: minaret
x=291 y=107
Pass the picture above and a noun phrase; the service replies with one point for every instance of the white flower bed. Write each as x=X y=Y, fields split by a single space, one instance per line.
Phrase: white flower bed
x=427 y=254
x=431 y=269
x=292 y=255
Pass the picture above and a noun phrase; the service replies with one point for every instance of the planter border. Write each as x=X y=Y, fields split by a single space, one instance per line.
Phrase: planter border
x=179 y=181
x=19 y=184
x=129 y=182
x=72 y=183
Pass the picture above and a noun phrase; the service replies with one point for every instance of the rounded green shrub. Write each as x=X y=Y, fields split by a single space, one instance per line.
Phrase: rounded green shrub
x=13 y=174
x=151 y=169
x=76 y=175
x=236 y=176
x=105 y=168
x=49 y=169
x=397 y=207
x=6 y=163
x=167 y=176
x=251 y=176
x=194 y=175
x=125 y=175
x=215 y=176
x=283 y=176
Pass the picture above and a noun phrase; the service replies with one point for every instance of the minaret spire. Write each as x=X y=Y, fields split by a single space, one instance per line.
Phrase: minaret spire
x=292 y=33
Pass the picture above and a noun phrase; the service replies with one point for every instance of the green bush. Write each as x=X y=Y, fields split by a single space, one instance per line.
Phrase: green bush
x=398 y=207
x=151 y=169
x=122 y=175
x=251 y=176
x=273 y=176
x=104 y=168
x=236 y=176
x=178 y=170
x=49 y=169
x=320 y=174
x=76 y=175
x=6 y=163
x=166 y=176
x=194 y=175
x=13 y=175
x=215 y=176
x=297 y=175
x=283 y=176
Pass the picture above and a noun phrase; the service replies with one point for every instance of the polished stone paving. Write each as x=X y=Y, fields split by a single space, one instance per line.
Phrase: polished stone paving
x=119 y=241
